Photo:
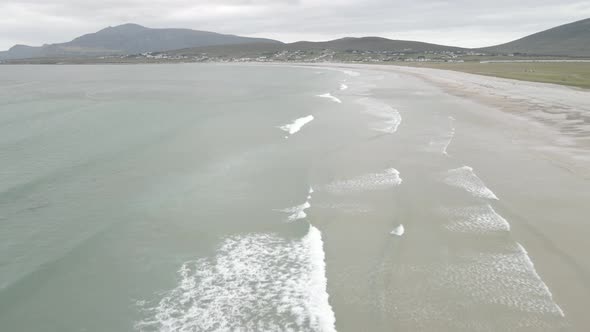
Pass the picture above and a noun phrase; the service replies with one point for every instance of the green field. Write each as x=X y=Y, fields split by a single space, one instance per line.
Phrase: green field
x=565 y=73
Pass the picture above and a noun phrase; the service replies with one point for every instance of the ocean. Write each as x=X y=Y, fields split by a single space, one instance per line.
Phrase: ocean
x=210 y=197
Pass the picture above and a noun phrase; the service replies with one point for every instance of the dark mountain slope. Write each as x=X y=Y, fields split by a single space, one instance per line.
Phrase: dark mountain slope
x=129 y=39
x=571 y=39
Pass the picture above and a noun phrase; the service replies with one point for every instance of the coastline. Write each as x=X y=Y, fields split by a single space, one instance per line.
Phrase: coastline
x=551 y=163
x=558 y=113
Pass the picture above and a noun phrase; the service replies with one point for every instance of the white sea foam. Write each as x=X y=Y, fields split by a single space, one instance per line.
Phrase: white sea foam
x=465 y=178
x=448 y=141
x=322 y=316
x=329 y=96
x=256 y=282
x=375 y=181
x=351 y=73
x=505 y=278
x=389 y=117
x=551 y=307
x=399 y=230
x=449 y=137
x=298 y=212
x=476 y=219
x=441 y=144
x=343 y=86
x=294 y=127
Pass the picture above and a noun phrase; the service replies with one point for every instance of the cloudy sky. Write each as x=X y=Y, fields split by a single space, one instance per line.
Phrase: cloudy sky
x=468 y=23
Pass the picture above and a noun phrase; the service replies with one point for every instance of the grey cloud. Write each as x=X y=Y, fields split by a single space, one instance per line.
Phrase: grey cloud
x=459 y=22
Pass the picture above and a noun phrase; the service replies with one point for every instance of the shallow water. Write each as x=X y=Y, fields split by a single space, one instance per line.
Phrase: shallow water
x=204 y=198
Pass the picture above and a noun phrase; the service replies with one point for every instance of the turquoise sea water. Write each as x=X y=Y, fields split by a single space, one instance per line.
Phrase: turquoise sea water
x=113 y=177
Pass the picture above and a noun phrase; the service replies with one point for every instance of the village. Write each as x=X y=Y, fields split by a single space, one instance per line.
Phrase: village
x=305 y=55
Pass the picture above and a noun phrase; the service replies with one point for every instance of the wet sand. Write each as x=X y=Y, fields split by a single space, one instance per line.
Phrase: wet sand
x=493 y=199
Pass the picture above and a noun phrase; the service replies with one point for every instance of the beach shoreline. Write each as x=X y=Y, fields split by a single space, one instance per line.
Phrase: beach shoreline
x=536 y=119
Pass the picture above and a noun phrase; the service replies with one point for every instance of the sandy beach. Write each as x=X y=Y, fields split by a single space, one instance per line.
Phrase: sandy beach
x=510 y=258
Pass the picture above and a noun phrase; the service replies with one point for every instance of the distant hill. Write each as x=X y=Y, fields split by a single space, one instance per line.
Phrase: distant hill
x=128 y=39
x=363 y=44
x=375 y=44
x=571 y=39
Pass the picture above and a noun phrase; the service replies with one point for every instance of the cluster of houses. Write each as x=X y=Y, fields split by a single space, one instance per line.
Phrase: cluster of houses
x=313 y=55
x=150 y=56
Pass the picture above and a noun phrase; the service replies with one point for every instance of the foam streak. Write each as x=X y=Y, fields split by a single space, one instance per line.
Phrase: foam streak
x=332 y=98
x=296 y=126
x=376 y=181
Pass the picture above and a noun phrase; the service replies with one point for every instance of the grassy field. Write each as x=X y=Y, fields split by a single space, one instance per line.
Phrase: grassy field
x=565 y=73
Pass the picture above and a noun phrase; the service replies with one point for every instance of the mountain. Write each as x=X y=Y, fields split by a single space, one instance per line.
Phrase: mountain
x=571 y=39
x=128 y=39
x=567 y=40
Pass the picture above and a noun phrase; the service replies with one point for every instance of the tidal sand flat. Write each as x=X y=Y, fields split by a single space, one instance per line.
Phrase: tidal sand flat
x=404 y=200
x=478 y=253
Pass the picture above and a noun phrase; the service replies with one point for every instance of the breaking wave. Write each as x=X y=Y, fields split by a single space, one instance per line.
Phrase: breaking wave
x=298 y=212
x=505 y=278
x=390 y=119
x=256 y=282
x=329 y=96
x=476 y=219
x=294 y=127
x=465 y=178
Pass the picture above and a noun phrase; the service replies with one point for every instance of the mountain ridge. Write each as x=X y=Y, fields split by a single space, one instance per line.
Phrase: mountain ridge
x=571 y=39
x=129 y=38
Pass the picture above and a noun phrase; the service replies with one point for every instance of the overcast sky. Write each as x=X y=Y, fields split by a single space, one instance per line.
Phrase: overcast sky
x=467 y=23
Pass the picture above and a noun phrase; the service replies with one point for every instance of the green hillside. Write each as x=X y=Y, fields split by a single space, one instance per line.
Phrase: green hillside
x=571 y=39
